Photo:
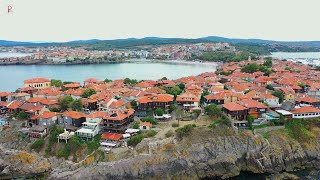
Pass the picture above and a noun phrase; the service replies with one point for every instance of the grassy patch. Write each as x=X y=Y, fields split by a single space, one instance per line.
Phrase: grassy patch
x=150 y=133
x=298 y=129
x=185 y=130
x=37 y=144
x=133 y=141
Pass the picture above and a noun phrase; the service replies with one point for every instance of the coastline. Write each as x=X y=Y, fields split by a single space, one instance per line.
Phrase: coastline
x=175 y=61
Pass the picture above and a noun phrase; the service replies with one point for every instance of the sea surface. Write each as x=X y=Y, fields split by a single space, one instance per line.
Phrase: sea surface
x=11 y=54
x=12 y=76
x=296 y=55
x=312 y=58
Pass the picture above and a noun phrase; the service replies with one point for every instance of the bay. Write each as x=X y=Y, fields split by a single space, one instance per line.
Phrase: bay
x=12 y=76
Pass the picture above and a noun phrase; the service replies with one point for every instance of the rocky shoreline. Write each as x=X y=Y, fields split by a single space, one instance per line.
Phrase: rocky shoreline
x=203 y=154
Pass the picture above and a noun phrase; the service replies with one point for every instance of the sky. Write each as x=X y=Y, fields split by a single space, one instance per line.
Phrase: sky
x=65 y=20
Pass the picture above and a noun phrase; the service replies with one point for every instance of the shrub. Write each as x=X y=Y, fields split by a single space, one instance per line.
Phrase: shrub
x=298 y=129
x=250 y=120
x=175 y=125
x=22 y=115
x=150 y=119
x=150 y=133
x=136 y=125
x=159 y=112
x=94 y=144
x=64 y=152
x=170 y=133
x=133 y=141
x=37 y=145
x=88 y=92
x=185 y=130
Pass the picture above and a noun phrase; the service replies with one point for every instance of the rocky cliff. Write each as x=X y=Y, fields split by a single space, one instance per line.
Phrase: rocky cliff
x=14 y=163
x=206 y=153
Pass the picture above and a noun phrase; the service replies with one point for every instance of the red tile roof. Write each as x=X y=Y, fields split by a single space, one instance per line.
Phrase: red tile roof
x=155 y=98
x=36 y=80
x=48 y=114
x=119 y=115
x=145 y=124
x=233 y=106
x=74 y=114
x=306 y=109
x=111 y=136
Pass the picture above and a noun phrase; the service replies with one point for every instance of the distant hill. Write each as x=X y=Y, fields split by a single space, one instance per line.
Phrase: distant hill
x=160 y=41
x=261 y=41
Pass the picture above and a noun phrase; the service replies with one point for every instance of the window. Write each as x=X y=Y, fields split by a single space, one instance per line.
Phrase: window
x=144 y=127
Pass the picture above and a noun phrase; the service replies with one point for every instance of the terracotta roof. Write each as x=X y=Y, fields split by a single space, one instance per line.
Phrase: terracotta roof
x=155 y=98
x=111 y=136
x=218 y=96
x=14 y=105
x=36 y=80
x=145 y=124
x=232 y=106
x=3 y=104
x=249 y=103
x=308 y=100
x=97 y=114
x=48 y=114
x=306 y=109
x=35 y=100
x=72 y=85
x=91 y=80
x=119 y=115
x=187 y=97
x=143 y=85
x=74 y=114
x=4 y=94
x=155 y=90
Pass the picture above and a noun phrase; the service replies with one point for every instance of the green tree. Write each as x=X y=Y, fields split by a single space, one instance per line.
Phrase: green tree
x=130 y=81
x=76 y=105
x=37 y=144
x=250 y=68
x=268 y=62
x=301 y=85
x=205 y=93
x=250 y=120
x=136 y=125
x=270 y=87
x=181 y=86
x=185 y=130
x=107 y=80
x=159 y=112
x=150 y=120
x=88 y=92
x=56 y=83
x=134 y=104
x=133 y=141
x=55 y=109
x=164 y=78
x=213 y=110
x=64 y=102
x=280 y=95
x=22 y=115
x=173 y=91
x=247 y=91
x=197 y=112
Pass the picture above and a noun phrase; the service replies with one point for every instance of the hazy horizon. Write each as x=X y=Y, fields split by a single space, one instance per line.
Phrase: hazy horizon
x=62 y=21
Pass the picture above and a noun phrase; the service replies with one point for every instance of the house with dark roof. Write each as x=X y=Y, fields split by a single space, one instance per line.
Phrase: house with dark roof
x=151 y=102
x=118 y=120
x=235 y=110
